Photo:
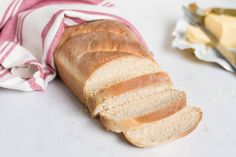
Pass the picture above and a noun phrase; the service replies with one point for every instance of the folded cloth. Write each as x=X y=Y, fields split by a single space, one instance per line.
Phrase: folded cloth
x=30 y=32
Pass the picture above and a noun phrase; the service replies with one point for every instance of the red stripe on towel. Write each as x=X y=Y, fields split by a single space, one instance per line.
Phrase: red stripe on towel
x=5 y=13
x=34 y=85
x=6 y=71
x=7 y=53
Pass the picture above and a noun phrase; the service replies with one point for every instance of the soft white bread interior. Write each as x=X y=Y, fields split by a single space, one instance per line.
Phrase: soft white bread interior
x=129 y=91
x=142 y=107
x=118 y=70
x=173 y=127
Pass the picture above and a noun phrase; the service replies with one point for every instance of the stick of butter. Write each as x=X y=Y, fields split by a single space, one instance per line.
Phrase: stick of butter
x=223 y=27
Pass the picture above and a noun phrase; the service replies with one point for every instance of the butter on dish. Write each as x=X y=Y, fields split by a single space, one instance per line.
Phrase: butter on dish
x=223 y=27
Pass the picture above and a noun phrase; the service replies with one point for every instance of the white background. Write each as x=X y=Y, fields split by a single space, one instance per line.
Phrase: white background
x=54 y=124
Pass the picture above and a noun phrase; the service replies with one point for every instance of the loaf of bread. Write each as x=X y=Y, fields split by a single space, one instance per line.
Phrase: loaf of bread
x=103 y=63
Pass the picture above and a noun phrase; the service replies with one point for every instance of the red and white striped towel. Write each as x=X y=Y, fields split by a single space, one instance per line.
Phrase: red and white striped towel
x=30 y=31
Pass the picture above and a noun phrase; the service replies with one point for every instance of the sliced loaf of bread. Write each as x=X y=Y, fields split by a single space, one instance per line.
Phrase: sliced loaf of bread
x=105 y=65
x=173 y=127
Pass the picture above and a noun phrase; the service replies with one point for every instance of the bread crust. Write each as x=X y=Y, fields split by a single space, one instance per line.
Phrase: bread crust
x=84 y=43
x=111 y=26
x=135 y=122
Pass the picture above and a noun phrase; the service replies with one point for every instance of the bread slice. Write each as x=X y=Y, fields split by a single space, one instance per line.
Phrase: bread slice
x=131 y=91
x=143 y=109
x=173 y=127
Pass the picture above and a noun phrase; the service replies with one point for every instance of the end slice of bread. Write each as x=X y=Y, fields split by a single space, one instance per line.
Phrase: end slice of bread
x=142 y=110
x=173 y=127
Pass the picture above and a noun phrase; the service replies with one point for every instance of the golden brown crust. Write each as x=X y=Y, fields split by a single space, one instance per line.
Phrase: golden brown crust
x=70 y=78
x=134 y=122
x=77 y=46
x=111 y=26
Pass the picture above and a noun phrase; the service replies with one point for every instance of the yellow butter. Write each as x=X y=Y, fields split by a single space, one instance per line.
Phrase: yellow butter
x=196 y=35
x=223 y=27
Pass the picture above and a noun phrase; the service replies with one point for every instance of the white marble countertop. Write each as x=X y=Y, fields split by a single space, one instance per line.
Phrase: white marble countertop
x=54 y=124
